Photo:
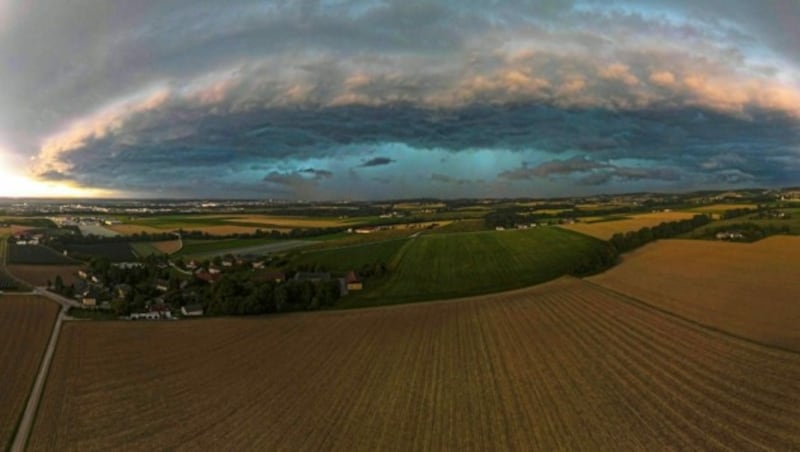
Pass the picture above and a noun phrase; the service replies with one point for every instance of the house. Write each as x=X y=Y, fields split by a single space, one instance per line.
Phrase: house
x=275 y=275
x=90 y=296
x=162 y=285
x=193 y=264
x=258 y=265
x=127 y=265
x=145 y=316
x=123 y=290
x=728 y=235
x=214 y=270
x=192 y=310
x=208 y=277
x=227 y=263
x=364 y=231
x=88 y=300
x=83 y=274
x=353 y=282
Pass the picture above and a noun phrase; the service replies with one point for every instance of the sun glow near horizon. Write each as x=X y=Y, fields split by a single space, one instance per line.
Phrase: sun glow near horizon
x=14 y=183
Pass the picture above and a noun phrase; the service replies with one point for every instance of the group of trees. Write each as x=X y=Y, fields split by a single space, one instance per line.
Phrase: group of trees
x=239 y=294
x=634 y=239
x=506 y=218
x=598 y=259
x=733 y=213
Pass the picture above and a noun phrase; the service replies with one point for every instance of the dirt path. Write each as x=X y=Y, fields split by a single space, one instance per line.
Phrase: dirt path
x=24 y=429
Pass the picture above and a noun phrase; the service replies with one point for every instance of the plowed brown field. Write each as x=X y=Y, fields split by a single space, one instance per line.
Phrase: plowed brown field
x=565 y=365
x=39 y=275
x=749 y=289
x=25 y=326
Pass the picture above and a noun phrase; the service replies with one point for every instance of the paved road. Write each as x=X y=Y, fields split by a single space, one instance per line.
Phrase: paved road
x=63 y=301
x=24 y=430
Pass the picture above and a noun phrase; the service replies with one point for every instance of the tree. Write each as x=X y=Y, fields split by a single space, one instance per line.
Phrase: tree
x=59 y=285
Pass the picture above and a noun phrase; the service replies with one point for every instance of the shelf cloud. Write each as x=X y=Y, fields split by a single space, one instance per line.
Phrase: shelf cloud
x=255 y=99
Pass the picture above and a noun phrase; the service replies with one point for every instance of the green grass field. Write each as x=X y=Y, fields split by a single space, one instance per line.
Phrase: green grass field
x=143 y=249
x=461 y=226
x=351 y=257
x=196 y=247
x=436 y=266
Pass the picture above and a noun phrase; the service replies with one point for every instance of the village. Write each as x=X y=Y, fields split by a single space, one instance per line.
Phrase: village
x=161 y=289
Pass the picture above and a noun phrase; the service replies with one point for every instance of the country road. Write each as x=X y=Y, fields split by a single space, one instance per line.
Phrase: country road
x=25 y=425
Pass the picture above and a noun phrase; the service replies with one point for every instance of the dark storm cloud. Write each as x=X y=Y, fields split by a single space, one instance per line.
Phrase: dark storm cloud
x=573 y=165
x=167 y=96
x=599 y=173
x=445 y=179
x=187 y=140
x=376 y=161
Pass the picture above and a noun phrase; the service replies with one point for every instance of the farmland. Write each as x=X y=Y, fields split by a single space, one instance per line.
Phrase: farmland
x=562 y=366
x=36 y=255
x=452 y=265
x=206 y=249
x=225 y=224
x=149 y=248
x=352 y=257
x=25 y=325
x=717 y=209
x=791 y=222
x=39 y=275
x=7 y=282
x=605 y=229
x=113 y=251
x=746 y=289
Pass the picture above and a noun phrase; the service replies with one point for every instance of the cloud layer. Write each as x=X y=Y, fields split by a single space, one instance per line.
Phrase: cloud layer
x=301 y=98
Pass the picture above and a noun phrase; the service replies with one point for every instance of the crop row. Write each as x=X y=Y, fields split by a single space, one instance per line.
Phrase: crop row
x=25 y=325
x=564 y=365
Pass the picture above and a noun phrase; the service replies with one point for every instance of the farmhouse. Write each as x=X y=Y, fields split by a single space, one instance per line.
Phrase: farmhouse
x=352 y=281
x=729 y=235
x=208 y=277
x=192 y=310
x=123 y=290
x=145 y=316
x=162 y=285
x=127 y=265
x=271 y=275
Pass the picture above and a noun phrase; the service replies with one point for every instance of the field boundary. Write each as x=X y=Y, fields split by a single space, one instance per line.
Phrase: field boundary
x=638 y=301
x=26 y=419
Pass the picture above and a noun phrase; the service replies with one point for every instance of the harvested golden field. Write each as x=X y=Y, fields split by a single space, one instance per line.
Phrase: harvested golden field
x=605 y=229
x=565 y=365
x=39 y=275
x=25 y=326
x=749 y=289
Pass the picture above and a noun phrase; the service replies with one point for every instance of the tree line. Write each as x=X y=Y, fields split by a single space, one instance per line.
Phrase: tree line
x=628 y=241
